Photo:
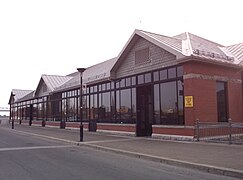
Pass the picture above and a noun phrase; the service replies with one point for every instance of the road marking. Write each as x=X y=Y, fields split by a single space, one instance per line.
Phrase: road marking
x=34 y=147
x=74 y=142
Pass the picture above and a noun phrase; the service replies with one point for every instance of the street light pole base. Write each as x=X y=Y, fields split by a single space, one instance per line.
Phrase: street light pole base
x=12 y=124
x=81 y=132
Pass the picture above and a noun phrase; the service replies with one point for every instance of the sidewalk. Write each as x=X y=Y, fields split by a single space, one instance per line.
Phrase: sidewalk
x=214 y=158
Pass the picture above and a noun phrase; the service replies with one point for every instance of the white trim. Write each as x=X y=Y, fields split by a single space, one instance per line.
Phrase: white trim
x=172 y=137
x=50 y=126
x=117 y=132
x=124 y=48
x=173 y=126
x=164 y=46
x=75 y=128
x=113 y=124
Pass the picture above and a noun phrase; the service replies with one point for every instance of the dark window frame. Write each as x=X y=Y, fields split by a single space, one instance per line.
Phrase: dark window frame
x=226 y=108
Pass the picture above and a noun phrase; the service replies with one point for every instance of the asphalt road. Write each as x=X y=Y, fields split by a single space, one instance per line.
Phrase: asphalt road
x=29 y=157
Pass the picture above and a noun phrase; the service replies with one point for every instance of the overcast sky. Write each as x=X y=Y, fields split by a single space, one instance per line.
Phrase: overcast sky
x=57 y=36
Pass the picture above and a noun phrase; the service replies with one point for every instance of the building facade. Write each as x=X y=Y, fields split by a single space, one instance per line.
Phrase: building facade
x=157 y=85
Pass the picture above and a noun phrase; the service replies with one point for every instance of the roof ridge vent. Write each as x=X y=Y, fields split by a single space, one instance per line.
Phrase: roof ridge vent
x=186 y=46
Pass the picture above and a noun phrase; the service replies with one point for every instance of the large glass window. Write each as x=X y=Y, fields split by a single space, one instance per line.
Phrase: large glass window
x=104 y=107
x=134 y=106
x=221 y=101
x=49 y=111
x=168 y=96
x=93 y=107
x=156 y=104
x=40 y=113
x=64 y=109
x=34 y=111
x=168 y=103
x=180 y=102
x=125 y=109
x=85 y=108
x=118 y=111
x=113 y=107
x=71 y=109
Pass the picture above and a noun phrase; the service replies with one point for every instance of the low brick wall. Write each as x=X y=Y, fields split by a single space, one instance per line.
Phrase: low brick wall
x=122 y=128
x=176 y=130
x=76 y=125
x=117 y=127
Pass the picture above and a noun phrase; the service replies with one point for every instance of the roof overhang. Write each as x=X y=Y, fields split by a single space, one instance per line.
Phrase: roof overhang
x=11 y=98
x=210 y=61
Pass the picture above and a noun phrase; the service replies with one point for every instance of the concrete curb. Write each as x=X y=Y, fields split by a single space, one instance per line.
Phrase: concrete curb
x=201 y=167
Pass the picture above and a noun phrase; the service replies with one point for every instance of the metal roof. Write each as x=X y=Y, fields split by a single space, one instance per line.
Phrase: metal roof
x=27 y=97
x=71 y=84
x=98 y=72
x=170 y=41
x=19 y=93
x=237 y=51
x=54 y=81
x=92 y=74
x=201 y=47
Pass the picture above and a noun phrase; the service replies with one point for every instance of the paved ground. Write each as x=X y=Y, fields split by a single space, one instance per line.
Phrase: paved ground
x=30 y=157
x=215 y=158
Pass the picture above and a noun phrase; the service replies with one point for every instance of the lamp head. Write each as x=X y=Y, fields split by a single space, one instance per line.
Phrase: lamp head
x=81 y=69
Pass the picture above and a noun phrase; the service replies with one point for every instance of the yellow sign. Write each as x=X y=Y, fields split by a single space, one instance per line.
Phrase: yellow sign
x=188 y=101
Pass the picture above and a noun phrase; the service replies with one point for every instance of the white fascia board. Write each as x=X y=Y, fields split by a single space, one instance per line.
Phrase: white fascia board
x=128 y=42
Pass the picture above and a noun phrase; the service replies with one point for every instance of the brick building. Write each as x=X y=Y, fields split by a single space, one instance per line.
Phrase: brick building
x=157 y=85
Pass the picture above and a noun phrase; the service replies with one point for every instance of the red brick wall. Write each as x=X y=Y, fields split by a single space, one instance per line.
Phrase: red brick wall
x=174 y=131
x=204 y=97
x=51 y=123
x=210 y=69
x=235 y=102
x=203 y=91
x=37 y=122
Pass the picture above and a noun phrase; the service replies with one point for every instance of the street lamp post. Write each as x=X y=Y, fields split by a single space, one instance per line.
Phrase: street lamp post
x=81 y=70
x=11 y=112
x=12 y=122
